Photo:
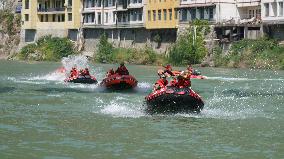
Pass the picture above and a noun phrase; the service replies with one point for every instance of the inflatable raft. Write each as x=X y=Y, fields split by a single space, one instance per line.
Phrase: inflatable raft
x=82 y=79
x=117 y=81
x=174 y=100
x=196 y=74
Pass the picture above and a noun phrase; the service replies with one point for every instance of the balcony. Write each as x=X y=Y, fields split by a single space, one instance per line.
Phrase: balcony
x=135 y=5
x=248 y=3
x=51 y=10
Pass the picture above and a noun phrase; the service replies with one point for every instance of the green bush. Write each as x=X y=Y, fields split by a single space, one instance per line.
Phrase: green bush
x=190 y=47
x=135 y=56
x=105 y=50
x=47 y=48
x=259 y=53
x=106 y=53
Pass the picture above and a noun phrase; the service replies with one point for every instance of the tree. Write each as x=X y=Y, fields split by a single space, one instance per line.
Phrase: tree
x=7 y=4
x=190 y=47
x=105 y=50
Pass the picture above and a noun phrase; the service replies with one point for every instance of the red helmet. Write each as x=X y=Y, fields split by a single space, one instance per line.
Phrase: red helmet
x=168 y=66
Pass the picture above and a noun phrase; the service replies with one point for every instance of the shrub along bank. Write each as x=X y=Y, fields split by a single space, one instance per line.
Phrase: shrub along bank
x=261 y=53
x=47 y=48
x=106 y=53
x=190 y=47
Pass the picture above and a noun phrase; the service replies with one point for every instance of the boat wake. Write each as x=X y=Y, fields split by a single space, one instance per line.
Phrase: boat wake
x=121 y=106
x=244 y=79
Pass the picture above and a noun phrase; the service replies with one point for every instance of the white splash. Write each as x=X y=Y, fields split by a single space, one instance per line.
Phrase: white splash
x=144 y=85
x=78 y=61
x=121 y=107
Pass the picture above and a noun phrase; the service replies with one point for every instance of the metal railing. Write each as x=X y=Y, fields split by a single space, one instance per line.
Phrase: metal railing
x=51 y=9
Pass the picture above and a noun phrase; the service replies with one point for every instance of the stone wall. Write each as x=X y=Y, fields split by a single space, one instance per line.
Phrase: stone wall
x=129 y=38
x=126 y=37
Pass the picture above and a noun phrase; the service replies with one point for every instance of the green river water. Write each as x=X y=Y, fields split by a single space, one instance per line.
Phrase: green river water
x=43 y=117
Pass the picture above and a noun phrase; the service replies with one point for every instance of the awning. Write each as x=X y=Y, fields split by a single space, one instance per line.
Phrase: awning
x=196 y=5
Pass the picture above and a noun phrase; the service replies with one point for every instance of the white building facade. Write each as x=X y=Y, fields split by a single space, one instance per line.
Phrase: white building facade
x=232 y=19
x=273 y=18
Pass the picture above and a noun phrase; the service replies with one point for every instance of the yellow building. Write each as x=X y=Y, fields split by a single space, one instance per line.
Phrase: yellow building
x=161 y=14
x=58 y=17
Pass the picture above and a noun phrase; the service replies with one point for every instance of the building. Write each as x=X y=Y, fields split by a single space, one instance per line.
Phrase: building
x=162 y=21
x=162 y=14
x=273 y=18
x=135 y=23
x=232 y=19
x=121 y=20
x=50 y=17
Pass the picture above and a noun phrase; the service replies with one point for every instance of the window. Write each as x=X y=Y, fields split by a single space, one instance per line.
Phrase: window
x=159 y=15
x=154 y=15
x=280 y=13
x=69 y=3
x=69 y=16
x=99 y=18
x=27 y=4
x=53 y=18
x=41 y=18
x=106 y=17
x=165 y=14
x=211 y=13
x=63 y=17
x=258 y=13
x=192 y=13
x=26 y=17
x=201 y=13
x=140 y=15
x=251 y=13
x=266 y=9
x=149 y=15
x=176 y=14
x=170 y=14
x=184 y=15
x=46 y=18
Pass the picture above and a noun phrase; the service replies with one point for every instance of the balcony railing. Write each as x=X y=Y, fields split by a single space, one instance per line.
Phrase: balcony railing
x=51 y=9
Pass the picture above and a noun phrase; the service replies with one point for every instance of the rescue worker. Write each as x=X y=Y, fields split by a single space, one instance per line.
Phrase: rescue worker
x=122 y=70
x=81 y=72
x=189 y=68
x=184 y=80
x=86 y=72
x=110 y=72
x=73 y=72
x=168 y=70
x=161 y=83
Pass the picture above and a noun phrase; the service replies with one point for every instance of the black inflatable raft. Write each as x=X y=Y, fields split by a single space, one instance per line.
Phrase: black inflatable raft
x=174 y=100
x=83 y=79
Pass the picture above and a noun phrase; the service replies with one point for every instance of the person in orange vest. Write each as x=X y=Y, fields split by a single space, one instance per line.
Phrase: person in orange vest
x=73 y=72
x=189 y=68
x=168 y=69
x=184 y=79
x=110 y=72
x=161 y=83
x=86 y=72
x=122 y=70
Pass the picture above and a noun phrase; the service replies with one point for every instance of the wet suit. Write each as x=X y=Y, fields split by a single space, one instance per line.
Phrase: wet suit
x=161 y=83
x=122 y=70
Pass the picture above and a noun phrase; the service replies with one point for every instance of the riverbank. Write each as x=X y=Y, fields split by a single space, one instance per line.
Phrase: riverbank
x=261 y=53
x=10 y=27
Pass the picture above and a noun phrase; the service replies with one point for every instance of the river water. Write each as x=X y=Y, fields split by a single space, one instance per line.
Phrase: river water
x=43 y=117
